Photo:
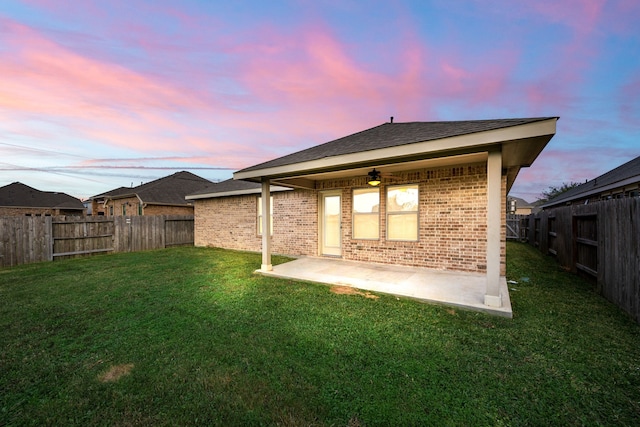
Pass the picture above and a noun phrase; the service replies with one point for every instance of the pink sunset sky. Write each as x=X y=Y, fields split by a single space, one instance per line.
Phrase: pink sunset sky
x=96 y=95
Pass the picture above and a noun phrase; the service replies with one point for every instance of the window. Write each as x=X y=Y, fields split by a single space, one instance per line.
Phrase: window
x=111 y=210
x=124 y=210
x=366 y=213
x=140 y=209
x=402 y=213
x=260 y=216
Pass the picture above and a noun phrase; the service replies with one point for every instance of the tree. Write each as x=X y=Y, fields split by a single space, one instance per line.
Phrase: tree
x=553 y=191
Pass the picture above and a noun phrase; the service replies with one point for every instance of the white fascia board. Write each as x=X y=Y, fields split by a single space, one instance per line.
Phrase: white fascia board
x=235 y=193
x=456 y=143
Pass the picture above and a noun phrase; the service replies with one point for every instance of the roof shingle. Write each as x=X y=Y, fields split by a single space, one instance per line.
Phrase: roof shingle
x=393 y=135
x=20 y=195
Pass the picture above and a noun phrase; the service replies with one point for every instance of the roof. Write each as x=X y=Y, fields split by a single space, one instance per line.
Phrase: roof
x=169 y=190
x=393 y=135
x=114 y=192
x=22 y=196
x=391 y=147
x=625 y=174
x=231 y=187
x=520 y=203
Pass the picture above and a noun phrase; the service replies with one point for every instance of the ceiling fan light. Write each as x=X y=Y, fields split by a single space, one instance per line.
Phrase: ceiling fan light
x=374 y=178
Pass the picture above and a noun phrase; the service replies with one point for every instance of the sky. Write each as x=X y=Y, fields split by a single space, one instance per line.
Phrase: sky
x=96 y=95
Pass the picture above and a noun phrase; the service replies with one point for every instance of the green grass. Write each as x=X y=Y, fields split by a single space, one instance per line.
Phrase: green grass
x=206 y=342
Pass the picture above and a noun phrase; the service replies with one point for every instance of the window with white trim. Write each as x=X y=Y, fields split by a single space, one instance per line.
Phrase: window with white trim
x=260 y=216
x=402 y=212
x=366 y=213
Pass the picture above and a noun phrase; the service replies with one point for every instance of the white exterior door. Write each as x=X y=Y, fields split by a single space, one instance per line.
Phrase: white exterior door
x=330 y=224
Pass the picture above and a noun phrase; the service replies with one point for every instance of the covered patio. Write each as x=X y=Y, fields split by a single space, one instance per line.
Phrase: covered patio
x=458 y=289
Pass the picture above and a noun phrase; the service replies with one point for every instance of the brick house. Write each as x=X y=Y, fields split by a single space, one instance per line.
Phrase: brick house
x=425 y=194
x=518 y=206
x=164 y=196
x=18 y=199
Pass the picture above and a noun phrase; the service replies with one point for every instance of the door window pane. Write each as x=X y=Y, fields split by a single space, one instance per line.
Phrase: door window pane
x=332 y=221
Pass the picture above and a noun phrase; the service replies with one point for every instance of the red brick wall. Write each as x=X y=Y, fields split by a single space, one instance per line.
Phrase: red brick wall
x=452 y=214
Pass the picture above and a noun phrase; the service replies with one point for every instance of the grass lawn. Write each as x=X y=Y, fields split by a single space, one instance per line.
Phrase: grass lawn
x=189 y=336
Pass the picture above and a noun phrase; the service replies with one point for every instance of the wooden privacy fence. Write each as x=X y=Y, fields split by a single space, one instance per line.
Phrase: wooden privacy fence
x=33 y=239
x=515 y=231
x=600 y=240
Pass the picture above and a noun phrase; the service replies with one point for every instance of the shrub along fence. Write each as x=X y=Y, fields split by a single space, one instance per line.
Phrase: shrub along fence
x=600 y=240
x=47 y=238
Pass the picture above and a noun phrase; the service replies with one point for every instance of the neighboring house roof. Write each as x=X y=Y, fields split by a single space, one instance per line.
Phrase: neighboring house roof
x=231 y=187
x=519 y=140
x=520 y=203
x=114 y=192
x=169 y=190
x=19 y=195
x=626 y=174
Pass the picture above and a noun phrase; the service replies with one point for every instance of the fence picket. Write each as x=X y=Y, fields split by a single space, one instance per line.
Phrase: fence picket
x=601 y=239
x=34 y=239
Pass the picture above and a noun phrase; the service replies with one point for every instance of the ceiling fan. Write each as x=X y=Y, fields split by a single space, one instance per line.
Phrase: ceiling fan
x=374 y=178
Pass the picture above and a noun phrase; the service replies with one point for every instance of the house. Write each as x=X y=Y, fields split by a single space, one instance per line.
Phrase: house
x=518 y=206
x=18 y=199
x=164 y=196
x=623 y=181
x=423 y=194
x=99 y=202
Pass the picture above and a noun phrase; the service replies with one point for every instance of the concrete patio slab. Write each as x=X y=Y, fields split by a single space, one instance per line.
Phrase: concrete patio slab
x=459 y=289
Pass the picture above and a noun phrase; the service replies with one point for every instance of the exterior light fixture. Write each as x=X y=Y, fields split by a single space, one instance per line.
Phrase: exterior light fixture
x=374 y=178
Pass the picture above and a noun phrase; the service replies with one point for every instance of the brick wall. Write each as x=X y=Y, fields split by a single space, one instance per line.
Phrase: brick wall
x=452 y=215
x=165 y=210
x=132 y=206
x=232 y=222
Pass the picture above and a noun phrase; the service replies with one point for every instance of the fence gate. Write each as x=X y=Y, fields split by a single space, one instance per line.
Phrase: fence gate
x=514 y=227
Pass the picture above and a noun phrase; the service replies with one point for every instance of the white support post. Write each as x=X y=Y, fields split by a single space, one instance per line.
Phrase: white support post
x=492 y=297
x=266 y=225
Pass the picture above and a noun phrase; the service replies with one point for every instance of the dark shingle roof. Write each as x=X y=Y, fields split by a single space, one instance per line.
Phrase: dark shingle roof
x=227 y=186
x=169 y=190
x=233 y=187
x=623 y=172
x=114 y=192
x=21 y=195
x=520 y=203
x=393 y=135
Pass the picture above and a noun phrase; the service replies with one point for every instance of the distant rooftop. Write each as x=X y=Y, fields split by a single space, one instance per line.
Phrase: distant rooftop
x=623 y=174
x=20 y=195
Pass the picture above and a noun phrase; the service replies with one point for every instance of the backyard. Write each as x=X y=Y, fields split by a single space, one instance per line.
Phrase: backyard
x=190 y=336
